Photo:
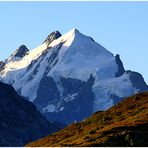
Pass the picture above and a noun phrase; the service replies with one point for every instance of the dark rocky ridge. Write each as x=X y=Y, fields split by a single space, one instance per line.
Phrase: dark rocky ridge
x=20 y=122
x=2 y=64
x=137 y=81
x=21 y=51
x=54 y=35
x=121 y=69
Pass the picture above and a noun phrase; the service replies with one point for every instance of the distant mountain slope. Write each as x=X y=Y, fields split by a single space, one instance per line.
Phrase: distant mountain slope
x=20 y=122
x=69 y=77
x=125 y=124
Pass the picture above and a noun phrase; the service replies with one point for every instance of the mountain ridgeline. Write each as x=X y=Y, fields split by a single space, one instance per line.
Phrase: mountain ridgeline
x=69 y=77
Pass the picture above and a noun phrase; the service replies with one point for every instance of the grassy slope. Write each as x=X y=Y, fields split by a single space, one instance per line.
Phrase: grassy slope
x=125 y=124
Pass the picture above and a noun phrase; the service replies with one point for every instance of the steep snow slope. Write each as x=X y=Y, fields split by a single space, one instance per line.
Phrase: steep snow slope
x=71 y=76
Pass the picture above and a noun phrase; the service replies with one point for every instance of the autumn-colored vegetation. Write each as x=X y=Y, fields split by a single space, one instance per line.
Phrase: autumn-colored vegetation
x=125 y=124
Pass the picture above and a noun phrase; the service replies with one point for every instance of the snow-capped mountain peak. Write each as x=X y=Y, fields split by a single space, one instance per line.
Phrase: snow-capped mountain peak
x=21 y=51
x=79 y=50
x=54 y=35
x=70 y=76
x=18 y=54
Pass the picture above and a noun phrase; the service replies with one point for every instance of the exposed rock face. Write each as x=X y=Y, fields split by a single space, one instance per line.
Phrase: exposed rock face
x=20 y=122
x=77 y=98
x=137 y=81
x=21 y=52
x=121 y=69
x=17 y=55
x=54 y=35
x=1 y=64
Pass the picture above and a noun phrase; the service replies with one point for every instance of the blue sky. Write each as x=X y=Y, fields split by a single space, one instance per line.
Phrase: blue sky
x=121 y=27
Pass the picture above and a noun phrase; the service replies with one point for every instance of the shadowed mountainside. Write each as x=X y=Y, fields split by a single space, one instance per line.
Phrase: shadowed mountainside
x=20 y=122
